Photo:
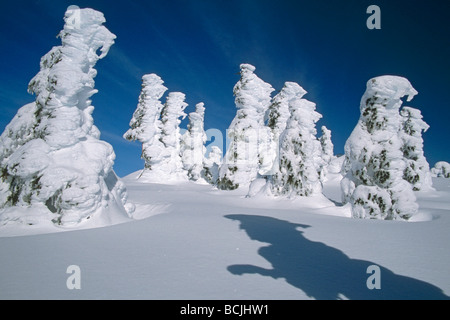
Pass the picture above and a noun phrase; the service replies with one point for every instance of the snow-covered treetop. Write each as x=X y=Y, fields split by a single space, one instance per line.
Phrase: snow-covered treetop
x=200 y=108
x=172 y=111
x=441 y=169
x=278 y=112
x=153 y=86
x=66 y=78
x=293 y=90
x=326 y=133
x=390 y=89
x=144 y=123
x=85 y=26
x=215 y=155
x=303 y=113
x=245 y=67
x=381 y=103
x=175 y=102
x=327 y=144
x=380 y=119
x=196 y=118
x=252 y=93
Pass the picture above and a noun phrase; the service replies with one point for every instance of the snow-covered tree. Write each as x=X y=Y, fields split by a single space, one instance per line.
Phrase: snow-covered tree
x=145 y=123
x=193 y=143
x=51 y=158
x=441 y=169
x=212 y=165
x=327 y=152
x=374 y=162
x=327 y=144
x=250 y=151
x=417 y=171
x=278 y=113
x=167 y=164
x=298 y=172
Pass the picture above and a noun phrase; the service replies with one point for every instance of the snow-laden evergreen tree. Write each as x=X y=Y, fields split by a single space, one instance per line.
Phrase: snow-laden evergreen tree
x=250 y=151
x=51 y=158
x=327 y=152
x=278 y=113
x=441 y=169
x=193 y=144
x=167 y=164
x=298 y=172
x=145 y=123
x=417 y=171
x=212 y=165
x=327 y=144
x=374 y=162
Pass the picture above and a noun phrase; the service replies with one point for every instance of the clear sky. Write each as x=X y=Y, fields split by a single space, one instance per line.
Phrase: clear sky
x=196 y=47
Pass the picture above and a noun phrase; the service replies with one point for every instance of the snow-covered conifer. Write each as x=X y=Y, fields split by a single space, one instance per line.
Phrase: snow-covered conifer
x=250 y=151
x=417 y=171
x=167 y=164
x=51 y=157
x=441 y=169
x=298 y=172
x=327 y=145
x=327 y=152
x=193 y=143
x=278 y=113
x=212 y=165
x=145 y=123
x=374 y=163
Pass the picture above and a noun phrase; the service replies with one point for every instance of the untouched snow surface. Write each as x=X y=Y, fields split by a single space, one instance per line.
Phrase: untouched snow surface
x=195 y=242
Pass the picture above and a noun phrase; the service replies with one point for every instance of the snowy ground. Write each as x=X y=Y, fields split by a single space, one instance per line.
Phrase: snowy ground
x=195 y=242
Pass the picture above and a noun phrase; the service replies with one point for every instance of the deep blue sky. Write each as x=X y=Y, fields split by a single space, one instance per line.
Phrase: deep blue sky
x=196 y=46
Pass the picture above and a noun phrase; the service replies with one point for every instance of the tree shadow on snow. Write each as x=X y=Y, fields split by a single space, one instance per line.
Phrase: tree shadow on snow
x=322 y=272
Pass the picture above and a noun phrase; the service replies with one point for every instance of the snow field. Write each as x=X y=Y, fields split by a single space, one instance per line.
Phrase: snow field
x=196 y=242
